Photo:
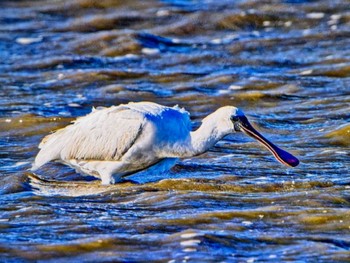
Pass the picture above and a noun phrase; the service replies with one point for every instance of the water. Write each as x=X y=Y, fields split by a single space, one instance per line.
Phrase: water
x=286 y=64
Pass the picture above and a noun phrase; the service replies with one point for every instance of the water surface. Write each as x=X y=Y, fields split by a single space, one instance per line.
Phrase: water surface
x=285 y=63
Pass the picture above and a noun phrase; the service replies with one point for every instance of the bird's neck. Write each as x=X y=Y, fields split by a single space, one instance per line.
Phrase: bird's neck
x=208 y=134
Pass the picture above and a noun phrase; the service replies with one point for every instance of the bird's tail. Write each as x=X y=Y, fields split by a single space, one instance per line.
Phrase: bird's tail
x=44 y=156
x=34 y=167
x=50 y=148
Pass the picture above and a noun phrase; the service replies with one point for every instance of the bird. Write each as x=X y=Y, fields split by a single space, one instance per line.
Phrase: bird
x=113 y=142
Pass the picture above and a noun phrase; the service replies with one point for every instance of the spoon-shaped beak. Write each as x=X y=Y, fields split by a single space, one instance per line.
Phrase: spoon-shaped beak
x=282 y=156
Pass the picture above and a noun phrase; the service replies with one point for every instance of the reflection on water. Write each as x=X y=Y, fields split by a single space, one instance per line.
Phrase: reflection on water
x=286 y=63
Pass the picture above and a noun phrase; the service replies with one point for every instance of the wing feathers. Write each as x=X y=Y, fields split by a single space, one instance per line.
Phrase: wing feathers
x=105 y=134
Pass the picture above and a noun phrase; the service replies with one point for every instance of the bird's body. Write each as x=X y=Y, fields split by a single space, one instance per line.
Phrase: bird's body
x=110 y=143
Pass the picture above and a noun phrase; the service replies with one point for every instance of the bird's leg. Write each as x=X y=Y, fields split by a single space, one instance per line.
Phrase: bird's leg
x=108 y=171
x=107 y=179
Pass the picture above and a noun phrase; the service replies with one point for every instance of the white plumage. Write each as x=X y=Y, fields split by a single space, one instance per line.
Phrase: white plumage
x=110 y=143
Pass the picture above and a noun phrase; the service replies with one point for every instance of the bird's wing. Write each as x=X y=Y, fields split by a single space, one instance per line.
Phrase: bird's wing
x=105 y=134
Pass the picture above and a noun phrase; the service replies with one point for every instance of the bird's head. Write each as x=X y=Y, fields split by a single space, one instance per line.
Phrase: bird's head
x=238 y=122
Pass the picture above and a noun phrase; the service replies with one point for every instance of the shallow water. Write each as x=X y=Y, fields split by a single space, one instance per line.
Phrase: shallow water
x=286 y=64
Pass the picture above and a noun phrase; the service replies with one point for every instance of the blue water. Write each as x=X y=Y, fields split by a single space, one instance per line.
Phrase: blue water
x=286 y=64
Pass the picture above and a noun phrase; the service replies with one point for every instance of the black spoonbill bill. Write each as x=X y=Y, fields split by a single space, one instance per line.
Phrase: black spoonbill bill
x=113 y=142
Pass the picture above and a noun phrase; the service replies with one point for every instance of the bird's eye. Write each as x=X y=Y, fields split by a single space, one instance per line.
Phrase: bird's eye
x=234 y=118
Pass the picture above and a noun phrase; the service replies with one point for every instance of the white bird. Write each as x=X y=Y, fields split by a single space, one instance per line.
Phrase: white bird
x=110 y=143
